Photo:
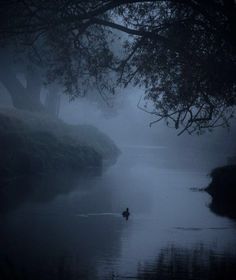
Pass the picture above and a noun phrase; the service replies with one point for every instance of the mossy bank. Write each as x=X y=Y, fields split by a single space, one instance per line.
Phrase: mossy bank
x=32 y=144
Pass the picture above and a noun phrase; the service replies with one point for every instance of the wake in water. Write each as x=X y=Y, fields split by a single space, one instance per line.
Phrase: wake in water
x=99 y=214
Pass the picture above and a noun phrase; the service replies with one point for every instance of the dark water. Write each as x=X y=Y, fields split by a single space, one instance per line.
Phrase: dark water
x=79 y=232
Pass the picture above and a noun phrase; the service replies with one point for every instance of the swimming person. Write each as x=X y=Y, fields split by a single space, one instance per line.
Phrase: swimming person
x=126 y=214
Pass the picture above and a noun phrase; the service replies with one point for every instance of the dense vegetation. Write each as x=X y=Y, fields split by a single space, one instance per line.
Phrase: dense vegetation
x=33 y=145
x=223 y=190
x=182 y=53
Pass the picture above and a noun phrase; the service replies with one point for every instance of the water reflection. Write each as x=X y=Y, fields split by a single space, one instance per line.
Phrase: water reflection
x=42 y=247
x=195 y=263
x=41 y=187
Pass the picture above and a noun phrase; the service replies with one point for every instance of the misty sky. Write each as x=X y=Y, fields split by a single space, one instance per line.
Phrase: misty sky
x=127 y=125
x=130 y=126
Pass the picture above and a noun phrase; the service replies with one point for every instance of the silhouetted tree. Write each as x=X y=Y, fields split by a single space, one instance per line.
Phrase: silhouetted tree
x=23 y=80
x=24 y=91
x=181 y=51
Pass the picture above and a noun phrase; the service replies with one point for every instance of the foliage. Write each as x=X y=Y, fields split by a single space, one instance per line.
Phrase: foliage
x=223 y=191
x=182 y=52
x=34 y=143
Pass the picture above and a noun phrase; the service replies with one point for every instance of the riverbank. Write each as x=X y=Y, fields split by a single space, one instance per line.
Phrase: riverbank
x=32 y=144
x=223 y=191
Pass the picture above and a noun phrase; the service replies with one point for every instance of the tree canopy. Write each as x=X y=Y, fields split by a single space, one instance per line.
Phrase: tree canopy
x=182 y=52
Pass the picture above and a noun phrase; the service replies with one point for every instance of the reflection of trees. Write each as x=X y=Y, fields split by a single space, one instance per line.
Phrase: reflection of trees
x=62 y=271
x=49 y=241
x=39 y=188
x=197 y=263
x=58 y=247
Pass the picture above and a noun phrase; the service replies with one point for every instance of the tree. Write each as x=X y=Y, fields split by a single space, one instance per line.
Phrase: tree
x=181 y=51
x=24 y=82
x=24 y=95
x=54 y=49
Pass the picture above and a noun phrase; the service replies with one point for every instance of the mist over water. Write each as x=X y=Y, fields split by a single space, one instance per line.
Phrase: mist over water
x=81 y=234
x=95 y=183
x=129 y=127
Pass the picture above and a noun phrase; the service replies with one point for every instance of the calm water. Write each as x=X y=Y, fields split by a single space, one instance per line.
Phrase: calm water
x=80 y=233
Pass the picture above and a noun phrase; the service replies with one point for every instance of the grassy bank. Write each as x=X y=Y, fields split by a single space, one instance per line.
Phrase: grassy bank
x=32 y=144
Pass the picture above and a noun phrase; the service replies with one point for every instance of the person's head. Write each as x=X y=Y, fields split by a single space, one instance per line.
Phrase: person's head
x=127 y=209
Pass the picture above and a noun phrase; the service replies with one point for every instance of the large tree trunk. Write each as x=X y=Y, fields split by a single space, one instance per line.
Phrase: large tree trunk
x=52 y=102
x=27 y=95
x=21 y=97
x=27 y=98
x=33 y=84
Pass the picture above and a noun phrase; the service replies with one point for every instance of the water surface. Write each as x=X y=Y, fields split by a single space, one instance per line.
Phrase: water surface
x=81 y=234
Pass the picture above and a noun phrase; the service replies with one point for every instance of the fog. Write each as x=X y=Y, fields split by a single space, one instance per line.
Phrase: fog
x=92 y=185
x=64 y=224
x=70 y=227
x=129 y=126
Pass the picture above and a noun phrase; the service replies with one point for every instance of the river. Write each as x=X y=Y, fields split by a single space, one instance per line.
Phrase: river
x=81 y=234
